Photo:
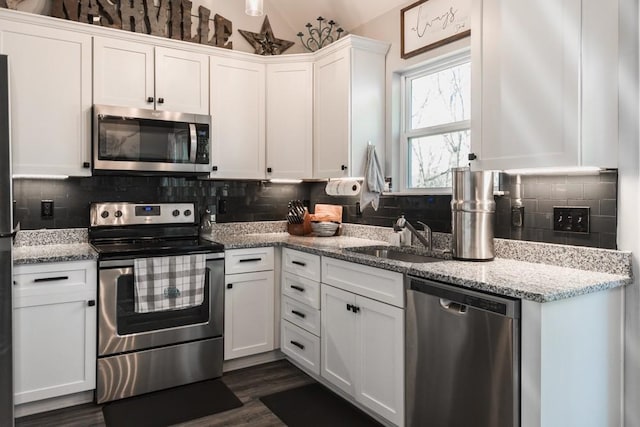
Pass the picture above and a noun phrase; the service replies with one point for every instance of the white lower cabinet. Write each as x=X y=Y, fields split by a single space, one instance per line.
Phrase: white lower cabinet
x=362 y=340
x=249 y=304
x=54 y=329
x=301 y=309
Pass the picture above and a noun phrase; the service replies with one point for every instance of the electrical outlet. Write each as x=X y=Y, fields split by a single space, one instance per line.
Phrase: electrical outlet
x=572 y=219
x=46 y=208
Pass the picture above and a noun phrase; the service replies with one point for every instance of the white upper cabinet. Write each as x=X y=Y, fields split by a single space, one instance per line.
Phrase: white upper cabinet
x=50 y=90
x=544 y=95
x=289 y=120
x=238 y=118
x=139 y=75
x=349 y=106
x=182 y=81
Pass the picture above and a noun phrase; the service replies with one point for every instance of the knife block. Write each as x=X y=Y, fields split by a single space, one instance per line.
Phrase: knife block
x=300 y=229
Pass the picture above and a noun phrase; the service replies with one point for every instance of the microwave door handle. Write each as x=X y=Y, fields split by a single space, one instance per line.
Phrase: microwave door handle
x=194 y=143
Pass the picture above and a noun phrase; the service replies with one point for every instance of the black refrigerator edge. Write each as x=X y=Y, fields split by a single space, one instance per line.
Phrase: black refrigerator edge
x=6 y=265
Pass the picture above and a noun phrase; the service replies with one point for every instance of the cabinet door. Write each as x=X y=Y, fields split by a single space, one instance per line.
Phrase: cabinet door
x=338 y=338
x=123 y=73
x=332 y=115
x=289 y=120
x=248 y=314
x=380 y=384
x=238 y=126
x=54 y=330
x=50 y=87
x=529 y=84
x=182 y=81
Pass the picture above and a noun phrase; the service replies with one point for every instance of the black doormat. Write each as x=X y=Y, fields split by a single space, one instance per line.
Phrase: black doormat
x=315 y=405
x=172 y=406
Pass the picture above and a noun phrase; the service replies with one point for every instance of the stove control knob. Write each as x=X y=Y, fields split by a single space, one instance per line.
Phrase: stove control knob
x=118 y=214
x=104 y=214
x=187 y=212
x=176 y=212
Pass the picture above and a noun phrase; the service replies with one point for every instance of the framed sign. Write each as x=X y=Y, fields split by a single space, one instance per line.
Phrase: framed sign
x=427 y=24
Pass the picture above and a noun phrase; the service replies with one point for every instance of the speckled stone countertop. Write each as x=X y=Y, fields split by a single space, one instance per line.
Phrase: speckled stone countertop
x=39 y=246
x=534 y=271
x=517 y=278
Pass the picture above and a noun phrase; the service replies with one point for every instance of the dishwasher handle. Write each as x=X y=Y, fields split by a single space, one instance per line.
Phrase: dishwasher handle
x=453 y=307
x=454 y=298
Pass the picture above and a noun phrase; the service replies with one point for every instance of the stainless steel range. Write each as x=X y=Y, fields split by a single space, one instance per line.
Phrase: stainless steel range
x=161 y=298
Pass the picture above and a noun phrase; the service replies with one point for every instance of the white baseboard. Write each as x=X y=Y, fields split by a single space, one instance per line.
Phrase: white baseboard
x=52 y=404
x=256 y=359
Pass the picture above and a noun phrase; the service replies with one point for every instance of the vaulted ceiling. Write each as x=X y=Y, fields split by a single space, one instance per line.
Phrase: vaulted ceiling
x=349 y=14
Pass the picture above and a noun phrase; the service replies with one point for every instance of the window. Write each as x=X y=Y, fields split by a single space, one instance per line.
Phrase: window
x=436 y=132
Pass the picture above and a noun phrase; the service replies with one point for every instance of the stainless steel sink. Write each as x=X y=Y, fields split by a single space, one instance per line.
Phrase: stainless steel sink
x=394 y=253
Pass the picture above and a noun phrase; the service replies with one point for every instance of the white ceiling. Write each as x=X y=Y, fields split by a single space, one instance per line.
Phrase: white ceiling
x=349 y=14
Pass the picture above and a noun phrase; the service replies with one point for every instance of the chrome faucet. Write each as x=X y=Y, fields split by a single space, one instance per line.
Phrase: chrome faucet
x=401 y=223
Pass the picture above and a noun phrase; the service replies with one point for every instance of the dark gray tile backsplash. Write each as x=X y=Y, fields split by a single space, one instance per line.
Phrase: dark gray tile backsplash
x=264 y=201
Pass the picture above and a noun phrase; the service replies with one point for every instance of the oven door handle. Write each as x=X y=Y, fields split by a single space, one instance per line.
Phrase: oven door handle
x=194 y=143
x=129 y=262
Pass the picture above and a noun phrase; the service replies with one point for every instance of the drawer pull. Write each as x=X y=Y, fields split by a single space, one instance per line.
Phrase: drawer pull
x=91 y=302
x=297 y=344
x=229 y=285
x=297 y=313
x=297 y=288
x=250 y=260
x=51 y=279
x=300 y=263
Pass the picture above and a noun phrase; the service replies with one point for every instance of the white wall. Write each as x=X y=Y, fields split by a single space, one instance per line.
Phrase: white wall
x=387 y=28
x=233 y=10
x=628 y=196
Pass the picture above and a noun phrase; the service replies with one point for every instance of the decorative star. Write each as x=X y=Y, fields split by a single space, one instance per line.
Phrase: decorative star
x=264 y=42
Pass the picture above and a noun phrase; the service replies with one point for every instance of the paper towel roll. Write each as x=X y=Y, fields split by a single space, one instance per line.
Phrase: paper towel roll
x=343 y=187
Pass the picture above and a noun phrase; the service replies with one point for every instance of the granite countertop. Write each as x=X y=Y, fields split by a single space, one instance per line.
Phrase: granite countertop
x=36 y=254
x=512 y=273
x=514 y=278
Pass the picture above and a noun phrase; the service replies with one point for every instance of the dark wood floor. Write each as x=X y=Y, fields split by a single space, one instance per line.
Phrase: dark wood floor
x=248 y=384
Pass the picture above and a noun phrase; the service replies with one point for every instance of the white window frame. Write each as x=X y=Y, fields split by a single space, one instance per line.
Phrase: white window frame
x=406 y=133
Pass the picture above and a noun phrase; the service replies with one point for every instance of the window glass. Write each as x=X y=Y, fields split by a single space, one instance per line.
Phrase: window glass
x=441 y=97
x=431 y=158
x=436 y=135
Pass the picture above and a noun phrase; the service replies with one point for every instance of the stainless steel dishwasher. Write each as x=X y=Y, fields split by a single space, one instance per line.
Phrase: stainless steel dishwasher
x=462 y=357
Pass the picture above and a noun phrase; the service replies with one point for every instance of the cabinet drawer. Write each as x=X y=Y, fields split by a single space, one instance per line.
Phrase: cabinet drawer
x=302 y=315
x=301 y=346
x=248 y=260
x=301 y=263
x=52 y=279
x=376 y=283
x=301 y=289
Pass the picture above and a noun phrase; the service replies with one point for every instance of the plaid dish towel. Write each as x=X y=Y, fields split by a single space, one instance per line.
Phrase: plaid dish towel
x=169 y=283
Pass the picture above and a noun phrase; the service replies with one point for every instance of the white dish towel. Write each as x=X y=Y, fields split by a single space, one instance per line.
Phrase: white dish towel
x=373 y=183
x=169 y=283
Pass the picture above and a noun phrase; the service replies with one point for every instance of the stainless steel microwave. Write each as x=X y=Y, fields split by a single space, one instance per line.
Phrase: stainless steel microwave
x=137 y=141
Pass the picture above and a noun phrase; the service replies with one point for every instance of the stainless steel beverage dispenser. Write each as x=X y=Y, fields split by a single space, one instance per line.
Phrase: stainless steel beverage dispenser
x=472 y=214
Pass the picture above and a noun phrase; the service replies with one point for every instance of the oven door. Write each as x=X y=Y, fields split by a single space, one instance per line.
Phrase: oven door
x=135 y=140
x=121 y=329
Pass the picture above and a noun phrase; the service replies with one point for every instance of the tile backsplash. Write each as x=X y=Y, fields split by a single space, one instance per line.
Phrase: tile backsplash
x=264 y=201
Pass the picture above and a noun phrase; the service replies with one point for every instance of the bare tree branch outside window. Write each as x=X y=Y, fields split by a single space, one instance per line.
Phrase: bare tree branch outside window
x=439 y=111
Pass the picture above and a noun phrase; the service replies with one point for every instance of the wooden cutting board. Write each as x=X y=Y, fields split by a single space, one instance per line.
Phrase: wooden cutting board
x=327 y=213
